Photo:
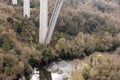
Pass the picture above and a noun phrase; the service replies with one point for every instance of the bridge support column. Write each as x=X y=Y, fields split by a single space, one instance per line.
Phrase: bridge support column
x=43 y=21
x=26 y=8
x=15 y=2
x=53 y=20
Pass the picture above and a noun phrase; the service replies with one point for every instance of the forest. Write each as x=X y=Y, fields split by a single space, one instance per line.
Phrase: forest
x=87 y=32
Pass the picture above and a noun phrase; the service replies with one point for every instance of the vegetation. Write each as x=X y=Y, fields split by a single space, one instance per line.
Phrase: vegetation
x=83 y=28
x=100 y=66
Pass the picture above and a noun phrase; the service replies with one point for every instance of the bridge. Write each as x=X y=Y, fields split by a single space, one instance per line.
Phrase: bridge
x=45 y=30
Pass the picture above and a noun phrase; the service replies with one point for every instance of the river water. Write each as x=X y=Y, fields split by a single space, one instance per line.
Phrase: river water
x=59 y=70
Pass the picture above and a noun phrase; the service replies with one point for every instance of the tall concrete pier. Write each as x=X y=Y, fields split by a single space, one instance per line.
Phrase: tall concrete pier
x=53 y=20
x=26 y=8
x=15 y=2
x=43 y=21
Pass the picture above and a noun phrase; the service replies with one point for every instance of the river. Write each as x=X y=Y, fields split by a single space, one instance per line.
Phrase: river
x=59 y=70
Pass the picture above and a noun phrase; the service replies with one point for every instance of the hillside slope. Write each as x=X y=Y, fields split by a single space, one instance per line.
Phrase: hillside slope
x=83 y=27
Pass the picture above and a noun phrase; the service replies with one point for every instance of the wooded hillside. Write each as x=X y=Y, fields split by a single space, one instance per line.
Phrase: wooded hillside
x=83 y=27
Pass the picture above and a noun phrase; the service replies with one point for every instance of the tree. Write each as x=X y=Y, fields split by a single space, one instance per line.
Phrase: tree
x=6 y=47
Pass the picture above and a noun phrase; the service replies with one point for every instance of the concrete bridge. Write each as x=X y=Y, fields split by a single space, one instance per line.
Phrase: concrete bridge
x=45 y=29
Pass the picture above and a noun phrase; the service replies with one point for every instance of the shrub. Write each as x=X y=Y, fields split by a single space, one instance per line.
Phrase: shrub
x=10 y=20
x=31 y=40
x=100 y=5
x=105 y=42
x=118 y=50
x=35 y=58
x=1 y=41
x=6 y=47
x=1 y=21
x=12 y=51
x=4 y=39
x=90 y=44
x=48 y=54
x=21 y=66
x=10 y=64
x=10 y=60
x=20 y=2
x=116 y=41
x=18 y=29
x=64 y=48
x=103 y=68
x=18 y=26
x=32 y=4
x=1 y=59
x=76 y=75
x=61 y=44
x=100 y=46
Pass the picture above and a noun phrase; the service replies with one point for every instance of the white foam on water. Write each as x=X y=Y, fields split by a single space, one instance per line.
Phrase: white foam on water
x=64 y=66
x=59 y=70
x=56 y=76
x=15 y=2
x=35 y=75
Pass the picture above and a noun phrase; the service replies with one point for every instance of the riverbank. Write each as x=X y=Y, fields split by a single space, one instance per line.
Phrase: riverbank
x=17 y=62
x=80 y=31
x=99 y=67
x=81 y=69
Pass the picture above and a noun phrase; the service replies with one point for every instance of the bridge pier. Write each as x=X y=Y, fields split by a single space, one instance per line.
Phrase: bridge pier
x=53 y=20
x=45 y=32
x=43 y=21
x=15 y=2
x=26 y=8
